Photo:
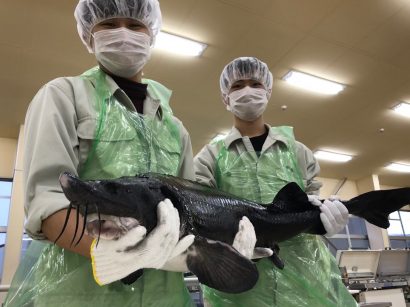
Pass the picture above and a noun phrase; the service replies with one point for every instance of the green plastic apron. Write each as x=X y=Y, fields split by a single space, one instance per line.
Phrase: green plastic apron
x=311 y=276
x=126 y=143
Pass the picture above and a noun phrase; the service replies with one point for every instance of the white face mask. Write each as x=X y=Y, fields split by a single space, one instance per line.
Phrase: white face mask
x=123 y=52
x=248 y=103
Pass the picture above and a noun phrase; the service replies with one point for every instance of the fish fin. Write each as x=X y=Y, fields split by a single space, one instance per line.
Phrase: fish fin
x=219 y=266
x=375 y=206
x=133 y=277
x=291 y=198
x=277 y=261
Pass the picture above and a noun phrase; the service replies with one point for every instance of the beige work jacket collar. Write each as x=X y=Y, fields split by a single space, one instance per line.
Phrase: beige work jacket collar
x=234 y=135
x=152 y=105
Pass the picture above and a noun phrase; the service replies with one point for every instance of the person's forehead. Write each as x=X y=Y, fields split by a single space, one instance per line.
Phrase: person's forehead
x=122 y=19
x=246 y=81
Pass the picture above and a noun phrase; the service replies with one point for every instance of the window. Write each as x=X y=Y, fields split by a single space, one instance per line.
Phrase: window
x=399 y=223
x=5 y=196
x=399 y=230
x=353 y=236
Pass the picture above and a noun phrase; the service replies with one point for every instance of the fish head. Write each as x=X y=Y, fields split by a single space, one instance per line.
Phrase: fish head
x=112 y=207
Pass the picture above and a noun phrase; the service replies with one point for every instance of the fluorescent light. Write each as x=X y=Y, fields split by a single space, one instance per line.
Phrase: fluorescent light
x=331 y=156
x=179 y=45
x=399 y=167
x=403 y=108
x=312 y=83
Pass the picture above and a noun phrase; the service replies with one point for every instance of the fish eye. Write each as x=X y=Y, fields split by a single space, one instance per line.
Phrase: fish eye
x=111 y=187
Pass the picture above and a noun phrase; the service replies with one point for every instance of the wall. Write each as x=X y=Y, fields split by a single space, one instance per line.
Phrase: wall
x=387 y=187
x=348 y=190
x=8 y=149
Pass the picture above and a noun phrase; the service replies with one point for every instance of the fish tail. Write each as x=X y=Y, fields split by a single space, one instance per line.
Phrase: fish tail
x=375 y=206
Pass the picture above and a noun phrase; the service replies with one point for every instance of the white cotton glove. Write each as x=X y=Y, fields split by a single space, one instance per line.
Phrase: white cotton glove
x=113 y=260
x=245 y=241
x=177 y=260
x=334 y=214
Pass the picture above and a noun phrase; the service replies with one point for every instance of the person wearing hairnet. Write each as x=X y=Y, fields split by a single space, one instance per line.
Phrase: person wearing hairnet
x=254 y=161
x=106 y=123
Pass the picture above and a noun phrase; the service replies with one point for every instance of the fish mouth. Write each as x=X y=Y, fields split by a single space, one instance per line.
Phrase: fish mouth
x=102 y=215
x=109 y=227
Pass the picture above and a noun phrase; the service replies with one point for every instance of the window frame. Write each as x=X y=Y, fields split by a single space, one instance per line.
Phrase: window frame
x=6 y=179
x=404 y=236
x=348 y=237
x=3 y=229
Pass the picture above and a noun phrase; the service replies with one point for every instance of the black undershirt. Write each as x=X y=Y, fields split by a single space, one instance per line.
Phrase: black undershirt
x=137 y=92
x=258 y=141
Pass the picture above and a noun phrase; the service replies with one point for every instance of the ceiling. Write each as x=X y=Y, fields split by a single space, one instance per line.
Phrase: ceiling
x=363 y=44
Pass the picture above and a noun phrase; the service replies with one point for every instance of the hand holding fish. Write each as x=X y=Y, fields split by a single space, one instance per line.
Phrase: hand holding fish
x=334 y=215
x=114 y=260
x=177 y=261
x=245 y=241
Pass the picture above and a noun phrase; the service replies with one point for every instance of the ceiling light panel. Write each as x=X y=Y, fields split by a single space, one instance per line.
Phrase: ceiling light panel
x=399 y=167
x=403 y=109
x=179 y=45
x=312 y=83
x=332 y=156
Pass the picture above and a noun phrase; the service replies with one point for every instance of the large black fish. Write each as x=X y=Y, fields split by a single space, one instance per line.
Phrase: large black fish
x=112 y=207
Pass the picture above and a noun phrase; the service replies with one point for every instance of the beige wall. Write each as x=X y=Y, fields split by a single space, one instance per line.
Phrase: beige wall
x=387 y=187
x=348 y=190
x=8 y=149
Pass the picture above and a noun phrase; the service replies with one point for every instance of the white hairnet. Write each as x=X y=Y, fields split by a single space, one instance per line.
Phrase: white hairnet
x=245 y=68
x=88 y=13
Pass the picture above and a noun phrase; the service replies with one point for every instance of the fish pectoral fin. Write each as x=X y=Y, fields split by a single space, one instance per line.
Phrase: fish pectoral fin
x=133 y=277
x=277 y=261
x=219 y=266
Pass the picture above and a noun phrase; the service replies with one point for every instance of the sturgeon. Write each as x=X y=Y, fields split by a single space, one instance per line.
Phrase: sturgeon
x=110 y=208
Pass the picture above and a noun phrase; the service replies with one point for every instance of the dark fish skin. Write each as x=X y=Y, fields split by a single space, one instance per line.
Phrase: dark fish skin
x=214 y=214
x=203 y=211
x=211 y=214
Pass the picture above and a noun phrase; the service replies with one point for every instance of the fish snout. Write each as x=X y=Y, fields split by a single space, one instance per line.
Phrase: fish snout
x=73 y=188
x=66 y=180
